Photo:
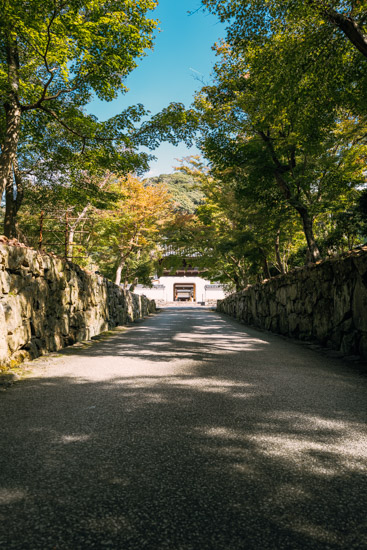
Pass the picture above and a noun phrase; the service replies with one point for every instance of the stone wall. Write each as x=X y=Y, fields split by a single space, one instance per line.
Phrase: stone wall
x=324 y=303
x=47 y=303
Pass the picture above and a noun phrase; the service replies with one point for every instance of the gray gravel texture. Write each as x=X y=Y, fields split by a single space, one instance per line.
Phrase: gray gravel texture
x=187 y=431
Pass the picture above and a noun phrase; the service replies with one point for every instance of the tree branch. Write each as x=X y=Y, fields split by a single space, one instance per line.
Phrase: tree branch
x=279 y=168
x=56 y=117
x=43 y=97
x=350 y=28
x=346 y=24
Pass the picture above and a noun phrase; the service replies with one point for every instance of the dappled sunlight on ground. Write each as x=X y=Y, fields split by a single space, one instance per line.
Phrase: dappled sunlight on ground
x=155 y=439
x=11 y=495
x=73 y=438
x=305 y=447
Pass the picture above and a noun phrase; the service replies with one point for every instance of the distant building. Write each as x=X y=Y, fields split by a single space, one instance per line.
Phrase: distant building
x=186 y=284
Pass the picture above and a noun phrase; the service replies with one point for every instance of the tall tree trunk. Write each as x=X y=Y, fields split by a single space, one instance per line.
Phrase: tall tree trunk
x=308 y=231
x=12 y=118
x=237 y=283
x=9 y=146
x=291 y=199
x=10 y=209
x=265 y=264
x=277 y=253
x=126 y=281
x=119 y=271
x=13 y=201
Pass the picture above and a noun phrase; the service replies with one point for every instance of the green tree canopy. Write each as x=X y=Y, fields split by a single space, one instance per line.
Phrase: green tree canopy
x=54 y=56
x=256 y=19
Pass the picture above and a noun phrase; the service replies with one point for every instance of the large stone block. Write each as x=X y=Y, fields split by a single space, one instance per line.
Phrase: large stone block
x=38 y=324
x=25 y=298
x=322 y=321
x=262 y=306
x=349 y=343
x=305 y=326
x=64 y=324
x=343 y=270
x=342 y=299
x=267 y=323
x=36 y=265
x=298 y=306
x=15 y=258
x=309 y=303
x=273 y=307
x=293 y=324
x=310 y=288
x=283 y=322
x=12 y=313
x=20 y=356
x=274 y=326
x=18 y=281
x=5 y=281
x=359 y=308
x=363 y=345
x=19 y=337
x=292 y=291
x=323 y=271
x=4 y=255
x=54 y=341
x=360 y=262
x=4 y=352
x=282 y=295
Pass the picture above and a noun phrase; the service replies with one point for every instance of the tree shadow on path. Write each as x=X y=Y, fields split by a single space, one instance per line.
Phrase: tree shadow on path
x=186 y=434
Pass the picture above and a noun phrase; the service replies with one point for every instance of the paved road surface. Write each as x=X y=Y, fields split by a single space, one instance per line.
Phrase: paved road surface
x=188 y=431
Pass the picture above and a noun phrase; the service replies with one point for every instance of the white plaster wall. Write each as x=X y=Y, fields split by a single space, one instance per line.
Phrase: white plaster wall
x=166 y=294
x=154 y=293
x=214 y=294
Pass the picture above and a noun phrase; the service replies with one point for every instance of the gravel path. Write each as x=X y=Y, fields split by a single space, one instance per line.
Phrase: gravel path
x=187 y=431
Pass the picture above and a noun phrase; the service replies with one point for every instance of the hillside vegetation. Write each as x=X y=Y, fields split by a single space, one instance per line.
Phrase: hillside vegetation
x=183 y=188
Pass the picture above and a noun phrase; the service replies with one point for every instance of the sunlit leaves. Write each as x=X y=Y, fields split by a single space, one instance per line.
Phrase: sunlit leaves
x=88 y=45
x=129 y=235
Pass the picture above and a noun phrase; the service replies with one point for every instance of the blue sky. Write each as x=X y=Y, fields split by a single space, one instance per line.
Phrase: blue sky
x=170 y=72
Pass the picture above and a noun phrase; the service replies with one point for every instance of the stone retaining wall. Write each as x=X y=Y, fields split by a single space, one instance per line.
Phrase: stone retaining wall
x=324 y=303
x=47 y=303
